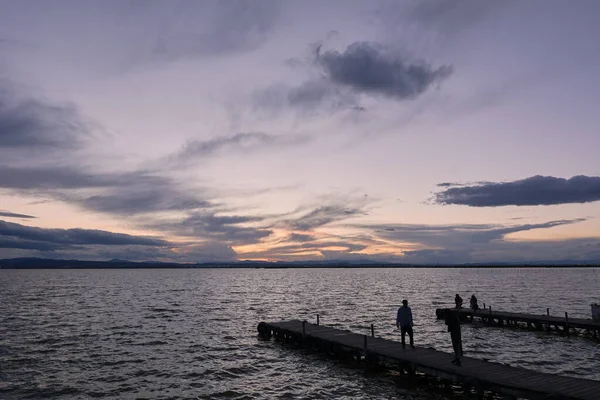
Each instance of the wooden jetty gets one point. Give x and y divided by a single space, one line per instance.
475 375
565 325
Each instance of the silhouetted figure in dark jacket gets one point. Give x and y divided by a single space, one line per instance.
404 321
454 328
474 305
458 301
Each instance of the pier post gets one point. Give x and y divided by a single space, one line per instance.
547 311
372 330
478 377
484 306
567 323
317 319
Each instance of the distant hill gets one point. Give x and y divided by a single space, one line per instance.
47 263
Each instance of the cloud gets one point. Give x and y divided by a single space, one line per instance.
61 177
182 252
122 193
227 229
299 237
459 236
172 31
536 190
450 16
16 243
27 123
319 246
196 150
503 251
238 25
132 193
370 68
464 243
309 97
314 250
185 253
8 214
363 68
437 256
322 216
142 198
75 236
312 94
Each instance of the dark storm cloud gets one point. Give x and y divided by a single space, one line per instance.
536 190
14 215
231 229
369 68
197 150
75 236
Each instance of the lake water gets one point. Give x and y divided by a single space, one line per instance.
191 333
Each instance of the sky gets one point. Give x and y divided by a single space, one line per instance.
438 131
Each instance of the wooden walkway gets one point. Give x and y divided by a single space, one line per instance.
564 324
478 374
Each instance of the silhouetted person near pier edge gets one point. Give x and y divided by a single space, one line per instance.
474 305
454 328
404 321
458 301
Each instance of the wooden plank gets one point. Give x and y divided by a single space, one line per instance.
579 387
580 323
498 375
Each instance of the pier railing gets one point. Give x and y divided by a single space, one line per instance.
565 325
474 374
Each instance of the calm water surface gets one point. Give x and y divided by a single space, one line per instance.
158 334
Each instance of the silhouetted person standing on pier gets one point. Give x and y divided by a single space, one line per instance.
458 301
454 328
404 321
474 305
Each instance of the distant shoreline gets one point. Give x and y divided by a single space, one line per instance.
35 263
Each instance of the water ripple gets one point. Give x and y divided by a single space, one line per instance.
191 334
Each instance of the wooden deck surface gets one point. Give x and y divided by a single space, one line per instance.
497 377
580 323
